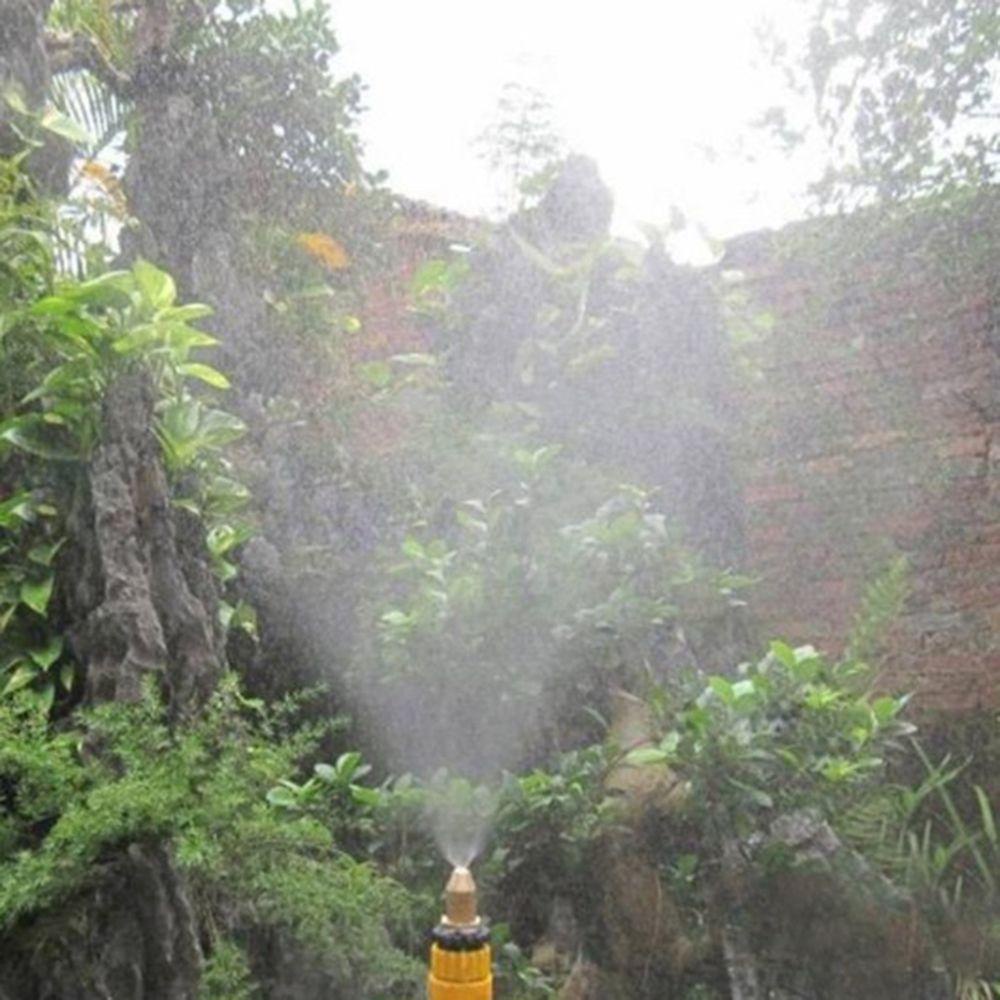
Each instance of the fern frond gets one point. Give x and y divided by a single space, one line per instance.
882 604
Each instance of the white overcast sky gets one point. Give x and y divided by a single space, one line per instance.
642 86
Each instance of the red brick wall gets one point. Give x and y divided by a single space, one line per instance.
872 398
870 388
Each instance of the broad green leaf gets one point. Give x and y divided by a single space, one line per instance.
783 653
44 554
224 537
184 314
348 763
36 593
139 338
885 708
17 509
325 772
49 653
283 797
53 120
45 696
66 674
365 796
218 428
206 373
54 305
180 338
156 287
30 434
45 656
20 678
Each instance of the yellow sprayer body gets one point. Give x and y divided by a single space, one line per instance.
460 975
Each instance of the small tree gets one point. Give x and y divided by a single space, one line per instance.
522 145
905 92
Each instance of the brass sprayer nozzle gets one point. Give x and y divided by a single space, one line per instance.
460 899
461 960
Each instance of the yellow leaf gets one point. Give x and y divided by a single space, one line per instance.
325 249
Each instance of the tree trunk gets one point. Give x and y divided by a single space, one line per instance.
143 601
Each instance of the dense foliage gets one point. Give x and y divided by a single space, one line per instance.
904 92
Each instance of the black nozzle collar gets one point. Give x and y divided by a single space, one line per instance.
451 938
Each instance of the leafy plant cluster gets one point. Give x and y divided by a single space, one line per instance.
65 342
525 592
790 731
256 868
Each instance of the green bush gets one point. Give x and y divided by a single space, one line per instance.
202 788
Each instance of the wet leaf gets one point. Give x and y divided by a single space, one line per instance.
36 593
22 676
325 249
48 654
156 287
206 373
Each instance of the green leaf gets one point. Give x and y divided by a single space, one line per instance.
756 795
156 287
181 338
376 373
783 653
885 708
986 813
6 616
365 796
206 373
412 549
66 674
44 554
17 508
218 428
139 338
54 121
49 653
30 434
646 755
188 504
722 688
348 763
36 593
283 797
13 97
326 773
415 360
45 696
22 676
184 314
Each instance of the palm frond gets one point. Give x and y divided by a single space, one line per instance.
81 96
